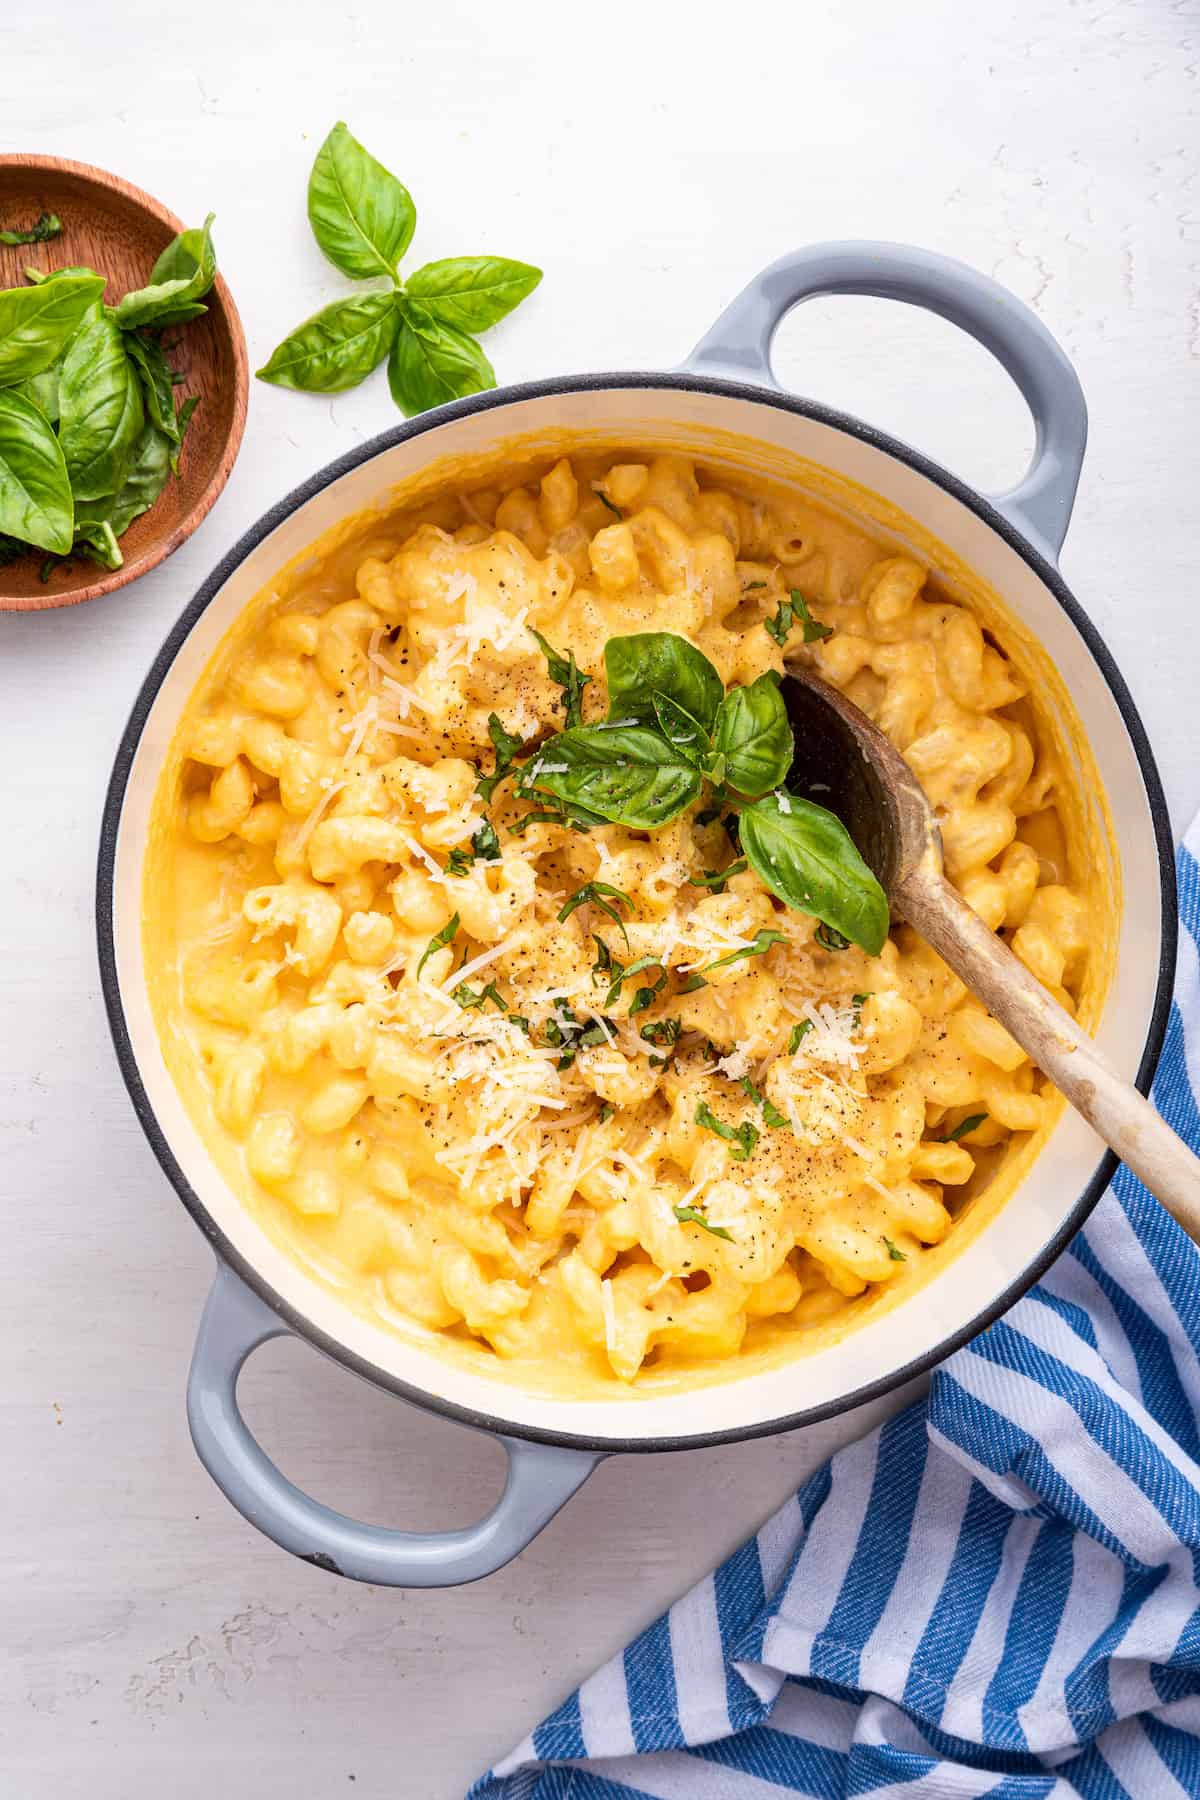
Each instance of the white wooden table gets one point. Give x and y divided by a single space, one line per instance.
150 1642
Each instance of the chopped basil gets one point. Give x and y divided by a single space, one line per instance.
894 1254
507 748
751 585
770 1112
601 895
544 816
566 672
791 610
663 1032
763 941
604 963
47 225
569 1034
485 847
829 939
443 937
646 996
601 495
799 1032
715 879
485 843
740 1138
474 999
606 1112
622 974
963 1129
691 1215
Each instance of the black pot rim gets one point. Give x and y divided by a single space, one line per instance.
431 422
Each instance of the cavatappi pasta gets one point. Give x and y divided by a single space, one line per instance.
468 1129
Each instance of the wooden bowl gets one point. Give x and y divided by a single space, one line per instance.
119 232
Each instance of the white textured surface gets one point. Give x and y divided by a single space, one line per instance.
151 1642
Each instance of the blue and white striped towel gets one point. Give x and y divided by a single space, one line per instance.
995 1594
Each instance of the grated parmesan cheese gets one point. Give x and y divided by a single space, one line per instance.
313 817
608 1306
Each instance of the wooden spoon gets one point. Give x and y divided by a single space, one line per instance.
849 766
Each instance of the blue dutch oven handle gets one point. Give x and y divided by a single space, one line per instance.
541 1477
739 345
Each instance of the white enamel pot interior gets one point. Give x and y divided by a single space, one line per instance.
1010 543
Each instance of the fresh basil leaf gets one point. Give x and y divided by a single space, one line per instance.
101 410
831 939
566 672
630 776
46 226
660 662
963 1129
691 1215
178 282
798 1034
148 472
42 391
98 541
337 347
472 292
805 855
432 363
158 390
679 728
894 1254
35 489
744 1136
37 323
439 940
189 257
764 940
361 216
753 736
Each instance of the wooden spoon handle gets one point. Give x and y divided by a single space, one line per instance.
1113 1107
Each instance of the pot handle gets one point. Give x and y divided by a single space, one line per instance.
739 345
541 1477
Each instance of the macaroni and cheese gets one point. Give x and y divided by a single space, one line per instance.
489 1108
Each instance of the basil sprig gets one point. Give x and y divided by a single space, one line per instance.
363 218
89 429
671 727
